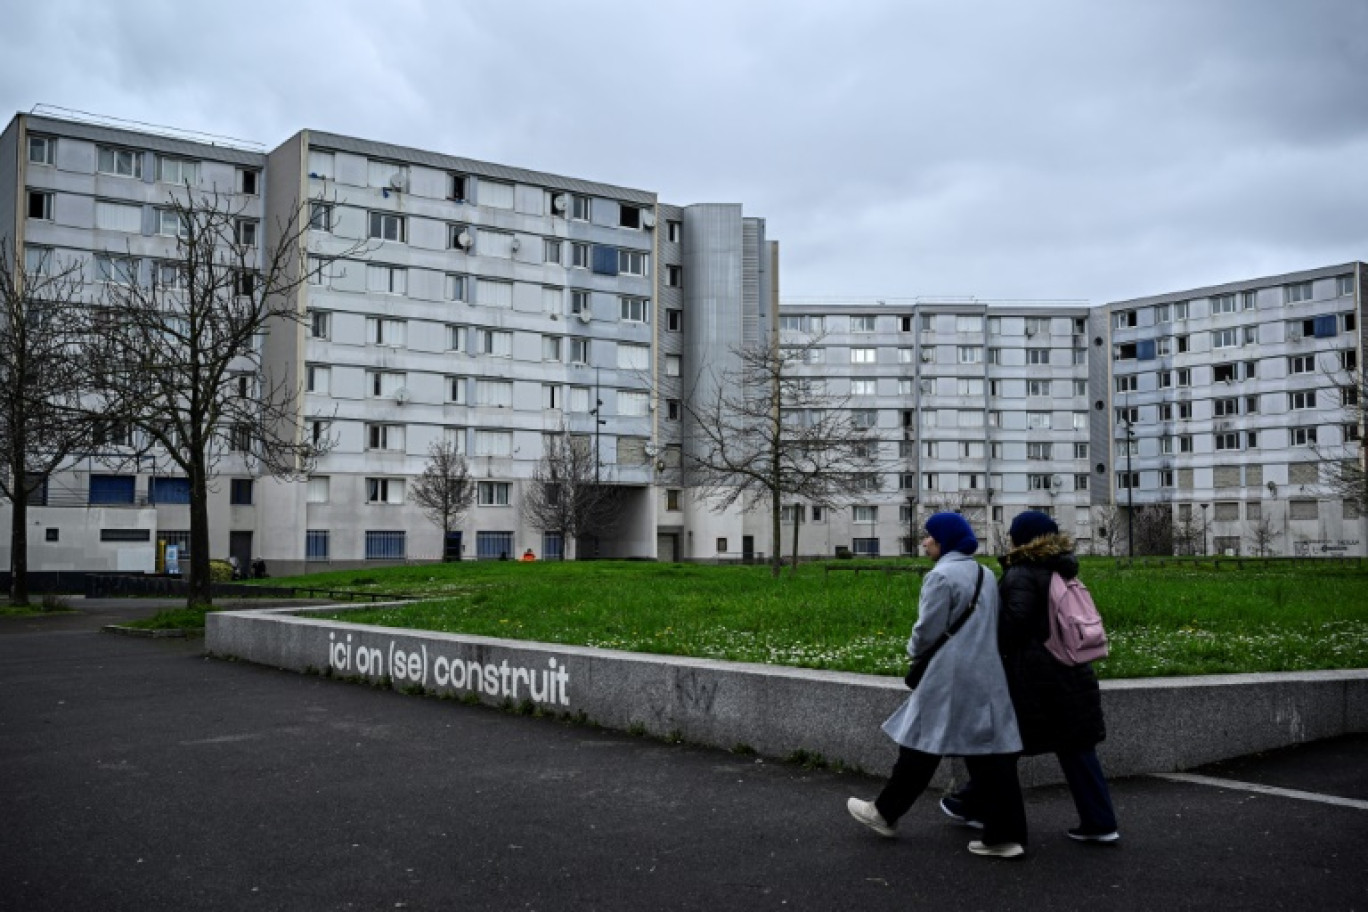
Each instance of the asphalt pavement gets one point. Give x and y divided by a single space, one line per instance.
137 774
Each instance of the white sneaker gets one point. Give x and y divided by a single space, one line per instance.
1000 850
868 814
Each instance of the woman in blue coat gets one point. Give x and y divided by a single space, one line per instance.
962 707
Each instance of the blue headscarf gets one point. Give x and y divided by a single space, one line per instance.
952 533
1029 526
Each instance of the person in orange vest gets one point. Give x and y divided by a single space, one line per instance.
528 555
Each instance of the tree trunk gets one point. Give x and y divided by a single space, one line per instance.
793 570
777 551
19 589
199 589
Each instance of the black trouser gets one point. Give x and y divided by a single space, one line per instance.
997 791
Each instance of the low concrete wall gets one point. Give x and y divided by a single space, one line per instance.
1156 724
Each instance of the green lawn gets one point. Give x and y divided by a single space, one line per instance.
1171 620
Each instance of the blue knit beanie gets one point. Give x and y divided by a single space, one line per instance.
952 533
1029 526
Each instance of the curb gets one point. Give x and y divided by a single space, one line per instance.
1155 724
166 633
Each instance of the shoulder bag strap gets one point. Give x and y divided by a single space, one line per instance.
973 603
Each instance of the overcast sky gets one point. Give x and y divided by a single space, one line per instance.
1006 149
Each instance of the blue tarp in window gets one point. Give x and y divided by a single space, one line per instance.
112 489
1144 350
605 260
1327 326
169 491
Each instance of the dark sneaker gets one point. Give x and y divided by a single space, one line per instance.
1000 850
1105 837
954 808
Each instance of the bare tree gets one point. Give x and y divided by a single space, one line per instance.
445 489
767 434
1107 522
1343 465
182 357
41 382
566 495
1153 530
1261 535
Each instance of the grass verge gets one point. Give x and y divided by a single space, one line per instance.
1173 620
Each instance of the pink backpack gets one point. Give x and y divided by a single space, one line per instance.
1076 634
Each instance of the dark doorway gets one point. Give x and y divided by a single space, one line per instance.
451 551
240 547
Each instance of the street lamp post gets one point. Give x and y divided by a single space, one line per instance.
1130 491
1273 493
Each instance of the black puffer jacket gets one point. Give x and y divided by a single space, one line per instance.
1058 707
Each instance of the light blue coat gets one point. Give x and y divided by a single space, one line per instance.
962 707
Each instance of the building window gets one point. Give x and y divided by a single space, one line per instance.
494 493
635 310
40 205
245 232
116 270
316 545
119 162
1037 387
493 443
634 263
495 343
633 357
168 491
248 182
864 387
633 404
1297 292
673 366
1303 399
385 437
1043 451
1303 436
42 150
320 324
551 251
493 545
387 226
579 208
387 279
320 216
456 187
970 354
385 490
863 355
1344 285
384 383
380 331
1037 420
1228 441
240 492
674 319
674 276
864 514
864 547
385 545
579 256
1124 319
551 348
491 293
177 171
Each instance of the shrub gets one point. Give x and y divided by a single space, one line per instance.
220 571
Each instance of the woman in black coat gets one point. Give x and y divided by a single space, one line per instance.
1058 706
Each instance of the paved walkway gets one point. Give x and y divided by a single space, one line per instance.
137 774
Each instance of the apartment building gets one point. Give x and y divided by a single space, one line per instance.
1225 403
980 406
487 306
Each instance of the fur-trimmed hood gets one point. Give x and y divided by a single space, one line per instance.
1045 549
